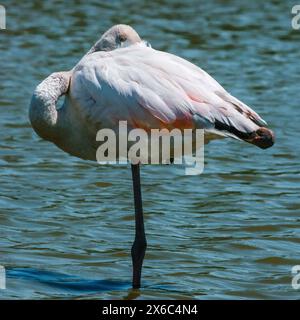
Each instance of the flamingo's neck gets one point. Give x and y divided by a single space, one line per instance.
42 112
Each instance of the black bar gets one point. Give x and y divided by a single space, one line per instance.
152 309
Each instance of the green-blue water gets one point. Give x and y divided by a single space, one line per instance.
66 226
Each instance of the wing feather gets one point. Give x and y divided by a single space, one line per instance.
152 89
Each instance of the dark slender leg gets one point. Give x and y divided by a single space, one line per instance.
139 246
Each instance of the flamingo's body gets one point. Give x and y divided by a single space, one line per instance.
149 89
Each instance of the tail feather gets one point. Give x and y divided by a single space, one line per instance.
235 124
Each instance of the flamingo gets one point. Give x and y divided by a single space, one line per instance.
123 78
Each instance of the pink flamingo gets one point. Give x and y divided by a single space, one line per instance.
122 78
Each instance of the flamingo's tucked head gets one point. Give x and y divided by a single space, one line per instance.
118 36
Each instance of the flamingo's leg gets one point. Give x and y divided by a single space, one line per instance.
139 246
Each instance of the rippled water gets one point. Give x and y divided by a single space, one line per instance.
67 225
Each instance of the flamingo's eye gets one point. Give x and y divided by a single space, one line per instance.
122 38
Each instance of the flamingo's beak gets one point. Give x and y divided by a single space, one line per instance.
147 43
